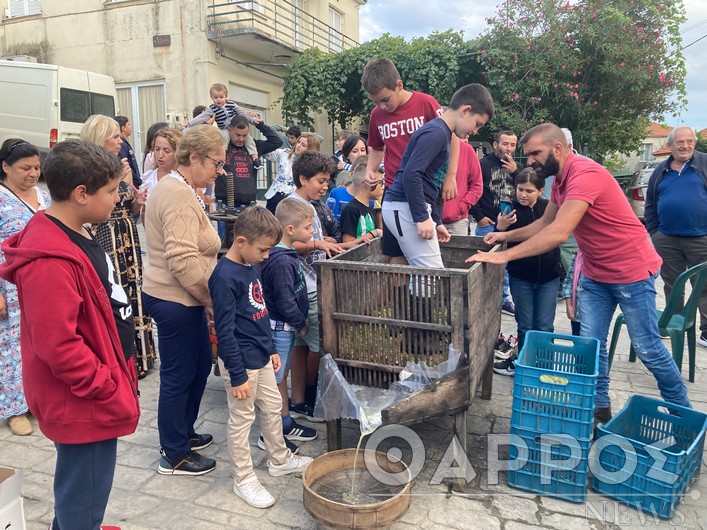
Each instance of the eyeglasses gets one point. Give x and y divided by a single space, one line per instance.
218 163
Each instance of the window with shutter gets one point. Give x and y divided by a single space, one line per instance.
336 24
23 8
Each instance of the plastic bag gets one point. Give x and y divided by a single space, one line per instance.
336 398
416 376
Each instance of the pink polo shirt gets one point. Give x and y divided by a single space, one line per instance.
615 244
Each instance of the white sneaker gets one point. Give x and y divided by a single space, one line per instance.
296 464
254 494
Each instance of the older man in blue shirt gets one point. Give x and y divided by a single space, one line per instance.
676 212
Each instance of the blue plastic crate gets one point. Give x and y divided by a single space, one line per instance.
644 422
551 467
555 384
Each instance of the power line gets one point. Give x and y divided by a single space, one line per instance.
694 26
694 42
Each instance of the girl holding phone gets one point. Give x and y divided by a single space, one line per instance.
534 281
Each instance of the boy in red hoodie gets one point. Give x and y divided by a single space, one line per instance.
76 331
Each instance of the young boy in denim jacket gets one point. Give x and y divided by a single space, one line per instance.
285 293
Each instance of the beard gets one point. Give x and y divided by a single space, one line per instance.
550 168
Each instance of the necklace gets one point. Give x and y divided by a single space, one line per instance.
177 175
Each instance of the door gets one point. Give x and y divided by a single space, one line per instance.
143 104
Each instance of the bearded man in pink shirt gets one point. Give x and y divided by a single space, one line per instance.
620 263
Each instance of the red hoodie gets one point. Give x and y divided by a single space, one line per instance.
470 185
76 379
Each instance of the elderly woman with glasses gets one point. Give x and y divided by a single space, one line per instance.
183 246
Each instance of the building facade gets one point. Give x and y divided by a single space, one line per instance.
164 54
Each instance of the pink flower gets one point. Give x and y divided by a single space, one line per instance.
576 85
575 95
661 78
542 120
594 15
622 64
623 28
515 96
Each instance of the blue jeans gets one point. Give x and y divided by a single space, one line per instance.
185 363
535 306
637 302
283 342
481 231
83 478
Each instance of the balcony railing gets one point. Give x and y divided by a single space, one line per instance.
277 20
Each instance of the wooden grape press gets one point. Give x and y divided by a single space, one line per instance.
375 317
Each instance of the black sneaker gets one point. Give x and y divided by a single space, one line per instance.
294 449
200 441
507 367
300 433
192 464
508 308
302 410
702 339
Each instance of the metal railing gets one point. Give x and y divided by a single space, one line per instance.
278 20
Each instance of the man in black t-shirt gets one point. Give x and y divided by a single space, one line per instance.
239 162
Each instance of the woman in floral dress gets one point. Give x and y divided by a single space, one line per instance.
284 185
119 238
20 198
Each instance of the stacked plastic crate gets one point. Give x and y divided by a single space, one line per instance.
553 415
648 454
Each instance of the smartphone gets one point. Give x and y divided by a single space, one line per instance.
506 207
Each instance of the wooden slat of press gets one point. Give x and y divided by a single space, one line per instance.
456 314
327 303
445 328
485 288
362 365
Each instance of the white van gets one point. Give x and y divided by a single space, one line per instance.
45 104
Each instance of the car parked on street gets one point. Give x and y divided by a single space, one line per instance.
636 189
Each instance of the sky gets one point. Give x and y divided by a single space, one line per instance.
419 18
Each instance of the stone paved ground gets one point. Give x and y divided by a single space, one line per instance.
143 499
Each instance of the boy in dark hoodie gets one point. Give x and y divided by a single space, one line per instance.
79 380
285 292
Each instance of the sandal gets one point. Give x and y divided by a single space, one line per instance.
20 425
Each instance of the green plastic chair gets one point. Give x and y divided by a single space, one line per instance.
676 326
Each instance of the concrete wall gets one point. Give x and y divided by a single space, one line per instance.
116 38
634 162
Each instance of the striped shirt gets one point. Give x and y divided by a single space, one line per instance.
223 115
